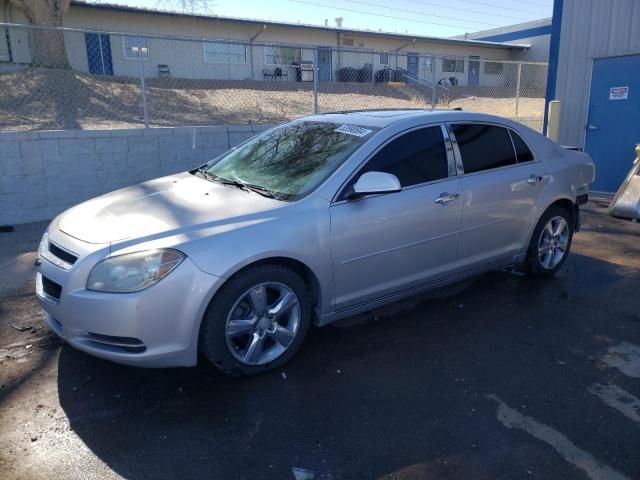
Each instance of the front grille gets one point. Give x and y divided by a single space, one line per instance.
51 288
62 254
123 344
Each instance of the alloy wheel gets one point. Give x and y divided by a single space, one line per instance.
553 242
263 323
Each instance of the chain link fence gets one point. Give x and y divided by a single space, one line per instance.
123 80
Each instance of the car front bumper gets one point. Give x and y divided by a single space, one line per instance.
156 327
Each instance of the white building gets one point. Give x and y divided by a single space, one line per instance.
261 48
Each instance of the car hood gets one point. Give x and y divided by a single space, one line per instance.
166 205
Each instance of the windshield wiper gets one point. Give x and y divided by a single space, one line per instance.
265 192
205 174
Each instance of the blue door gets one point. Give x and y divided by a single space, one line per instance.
413 62
613 122
324 64
474 71
98 53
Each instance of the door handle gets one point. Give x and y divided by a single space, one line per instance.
592 127
445 198
533 179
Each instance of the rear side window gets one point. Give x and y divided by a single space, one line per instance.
415 157
522 151
484 147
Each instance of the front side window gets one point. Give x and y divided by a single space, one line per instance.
292 160
224 53
283 56
135 46
452 65
483 147
415 157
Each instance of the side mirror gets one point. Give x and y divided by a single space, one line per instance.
375 182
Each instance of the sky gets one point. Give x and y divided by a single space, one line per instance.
440 18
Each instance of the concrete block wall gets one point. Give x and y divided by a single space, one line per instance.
44 173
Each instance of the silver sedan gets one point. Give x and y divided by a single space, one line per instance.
314 220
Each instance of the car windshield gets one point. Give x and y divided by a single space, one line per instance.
289 161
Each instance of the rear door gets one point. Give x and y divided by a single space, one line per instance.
383 244
501 182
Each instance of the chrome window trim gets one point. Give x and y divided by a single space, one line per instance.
456 148
448 145
340 191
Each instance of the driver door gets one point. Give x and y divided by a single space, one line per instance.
384 244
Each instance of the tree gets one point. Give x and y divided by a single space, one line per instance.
47 46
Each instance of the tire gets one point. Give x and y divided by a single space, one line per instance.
232 322
547 252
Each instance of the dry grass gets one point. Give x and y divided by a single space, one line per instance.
42 99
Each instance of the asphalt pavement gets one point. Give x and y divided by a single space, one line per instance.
503 377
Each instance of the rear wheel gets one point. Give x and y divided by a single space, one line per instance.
550 243
257 321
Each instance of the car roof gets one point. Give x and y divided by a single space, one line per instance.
384 118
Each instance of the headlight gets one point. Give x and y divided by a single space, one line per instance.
43 248
133 272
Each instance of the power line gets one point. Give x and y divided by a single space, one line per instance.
414 12
467 10
493 5
352 10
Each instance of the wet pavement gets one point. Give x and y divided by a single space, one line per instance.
502 377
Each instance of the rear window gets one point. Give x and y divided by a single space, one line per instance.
522 150
483 147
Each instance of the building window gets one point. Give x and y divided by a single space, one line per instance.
347 42
282 56
493 68
384 58
427 63
452 65
224 53
132 45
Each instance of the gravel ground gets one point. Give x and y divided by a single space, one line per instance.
44 99
501 377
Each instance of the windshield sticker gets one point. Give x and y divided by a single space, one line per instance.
353 130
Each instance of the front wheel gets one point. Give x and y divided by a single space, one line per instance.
550 243
257 321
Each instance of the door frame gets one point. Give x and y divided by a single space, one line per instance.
106 67
592 61
415 55
329 65
475 59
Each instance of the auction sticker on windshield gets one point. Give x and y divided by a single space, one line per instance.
353 130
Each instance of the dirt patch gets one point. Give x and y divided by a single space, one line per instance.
48 99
